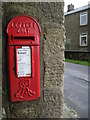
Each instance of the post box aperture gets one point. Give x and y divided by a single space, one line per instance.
23 58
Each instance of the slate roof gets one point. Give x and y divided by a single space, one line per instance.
77 10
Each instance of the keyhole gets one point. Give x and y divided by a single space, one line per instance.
13 68
11 37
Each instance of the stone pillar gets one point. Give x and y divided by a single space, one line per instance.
53 70
50 17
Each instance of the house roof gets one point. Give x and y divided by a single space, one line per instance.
77 10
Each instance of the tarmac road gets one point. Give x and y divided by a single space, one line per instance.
76 88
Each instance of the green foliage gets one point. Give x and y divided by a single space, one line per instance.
86 63
74 112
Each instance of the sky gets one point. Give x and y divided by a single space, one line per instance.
76 3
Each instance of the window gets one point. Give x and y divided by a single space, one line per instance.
83 18
83 39
68 44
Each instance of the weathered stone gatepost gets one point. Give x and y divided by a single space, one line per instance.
53 69
50 17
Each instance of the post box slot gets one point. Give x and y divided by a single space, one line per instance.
24 38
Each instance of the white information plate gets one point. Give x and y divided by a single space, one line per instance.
24 61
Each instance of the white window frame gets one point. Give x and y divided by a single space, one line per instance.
81 15
81 36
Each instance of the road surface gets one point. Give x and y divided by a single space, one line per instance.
76 88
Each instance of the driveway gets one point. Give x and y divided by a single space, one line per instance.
76 88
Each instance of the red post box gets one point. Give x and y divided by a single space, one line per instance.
23 58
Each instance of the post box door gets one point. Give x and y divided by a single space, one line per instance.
23 53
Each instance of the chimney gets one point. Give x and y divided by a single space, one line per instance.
89 3
70 7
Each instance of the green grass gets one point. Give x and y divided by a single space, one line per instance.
86 63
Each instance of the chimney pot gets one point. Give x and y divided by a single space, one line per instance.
70 7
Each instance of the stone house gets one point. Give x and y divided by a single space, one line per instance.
77 22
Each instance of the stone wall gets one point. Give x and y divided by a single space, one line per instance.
89 29
77 55
50 17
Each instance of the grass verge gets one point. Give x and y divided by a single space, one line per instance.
86 63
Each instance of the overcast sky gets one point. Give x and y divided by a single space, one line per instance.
76 3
